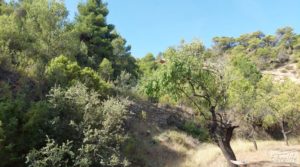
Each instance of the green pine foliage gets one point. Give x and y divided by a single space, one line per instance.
94 31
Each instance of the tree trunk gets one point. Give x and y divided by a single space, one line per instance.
227 151
254 138
222 136
284 133
254 144
285 138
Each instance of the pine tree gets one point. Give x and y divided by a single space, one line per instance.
94 32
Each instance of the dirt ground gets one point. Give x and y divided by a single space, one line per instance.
274 154
162 145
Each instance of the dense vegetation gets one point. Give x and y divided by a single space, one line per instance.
225 84
56 80
63 83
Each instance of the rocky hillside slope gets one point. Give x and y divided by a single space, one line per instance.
287 71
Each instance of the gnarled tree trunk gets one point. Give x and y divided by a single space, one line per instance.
221 133
224 145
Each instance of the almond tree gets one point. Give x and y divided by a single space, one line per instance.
188 73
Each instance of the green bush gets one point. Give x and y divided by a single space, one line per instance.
5 56
196 131
5 91
125 81
24 125
65 72
62 71
37 125
95 127
91 79
52 155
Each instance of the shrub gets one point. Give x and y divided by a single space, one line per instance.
96 129
36 124
64 72
295 56
51 155
125 81
5 91
196 131
91 79
24 125
5 56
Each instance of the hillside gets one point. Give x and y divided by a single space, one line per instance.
73 94
287 71
163 144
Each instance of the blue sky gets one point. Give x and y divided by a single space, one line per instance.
154 25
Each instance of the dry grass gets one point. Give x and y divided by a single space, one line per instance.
168 147
205 154
177 141
210 155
